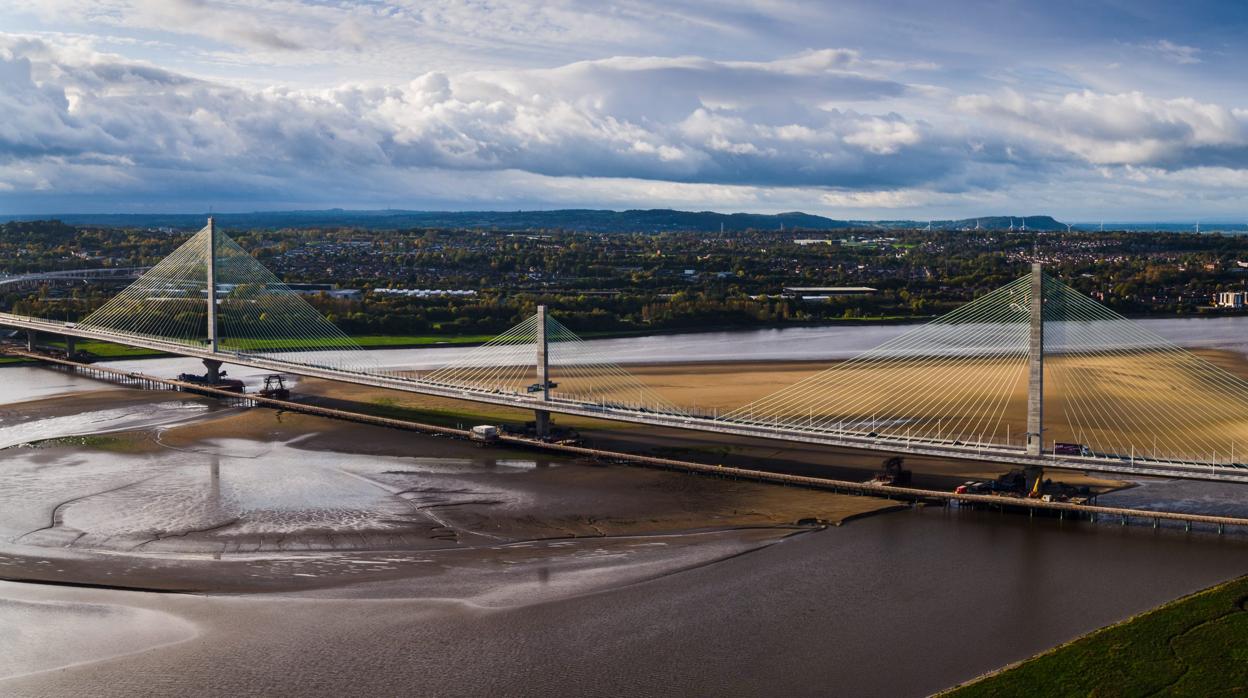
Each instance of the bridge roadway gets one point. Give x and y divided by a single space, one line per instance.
994 453
123 273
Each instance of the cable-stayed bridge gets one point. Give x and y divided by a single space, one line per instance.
1032 374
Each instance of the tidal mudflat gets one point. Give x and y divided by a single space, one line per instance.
254 552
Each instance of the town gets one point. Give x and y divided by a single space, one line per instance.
472 282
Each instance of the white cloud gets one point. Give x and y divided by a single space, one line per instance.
681 119
1175 53
1120 129
501 103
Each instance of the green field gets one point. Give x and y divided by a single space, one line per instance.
1196 646
420 341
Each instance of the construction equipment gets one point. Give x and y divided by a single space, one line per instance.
892 473
231 384
275 387
485 433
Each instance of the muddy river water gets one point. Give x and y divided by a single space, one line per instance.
357 562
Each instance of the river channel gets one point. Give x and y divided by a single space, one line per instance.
902 603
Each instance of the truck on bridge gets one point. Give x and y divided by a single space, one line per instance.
1069 449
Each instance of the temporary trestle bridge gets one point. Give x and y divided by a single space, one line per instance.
1033 373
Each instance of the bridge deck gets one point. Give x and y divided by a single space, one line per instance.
861 488
994 453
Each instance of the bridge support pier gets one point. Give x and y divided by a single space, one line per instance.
213 374
30 340
71 346
541 423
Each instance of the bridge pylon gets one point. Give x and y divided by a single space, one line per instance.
210 264
541 421
1035 378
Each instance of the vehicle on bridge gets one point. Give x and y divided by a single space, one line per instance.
1068 449
537 387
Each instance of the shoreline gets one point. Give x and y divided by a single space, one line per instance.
1004 674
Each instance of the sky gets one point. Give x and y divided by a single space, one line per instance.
1119 110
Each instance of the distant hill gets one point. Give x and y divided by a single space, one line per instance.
1042 223
591 220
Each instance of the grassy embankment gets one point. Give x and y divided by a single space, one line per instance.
1190 647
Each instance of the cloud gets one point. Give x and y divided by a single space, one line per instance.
242 24
668 119
831 129
1175 53
1128 128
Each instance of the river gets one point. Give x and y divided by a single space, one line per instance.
898 604
788 344
810 343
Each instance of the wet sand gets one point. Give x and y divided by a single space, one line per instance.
238 487
92 413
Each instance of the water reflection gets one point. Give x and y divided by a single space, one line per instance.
236 495
18 428
23 383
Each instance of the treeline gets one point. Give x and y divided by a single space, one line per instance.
621 313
